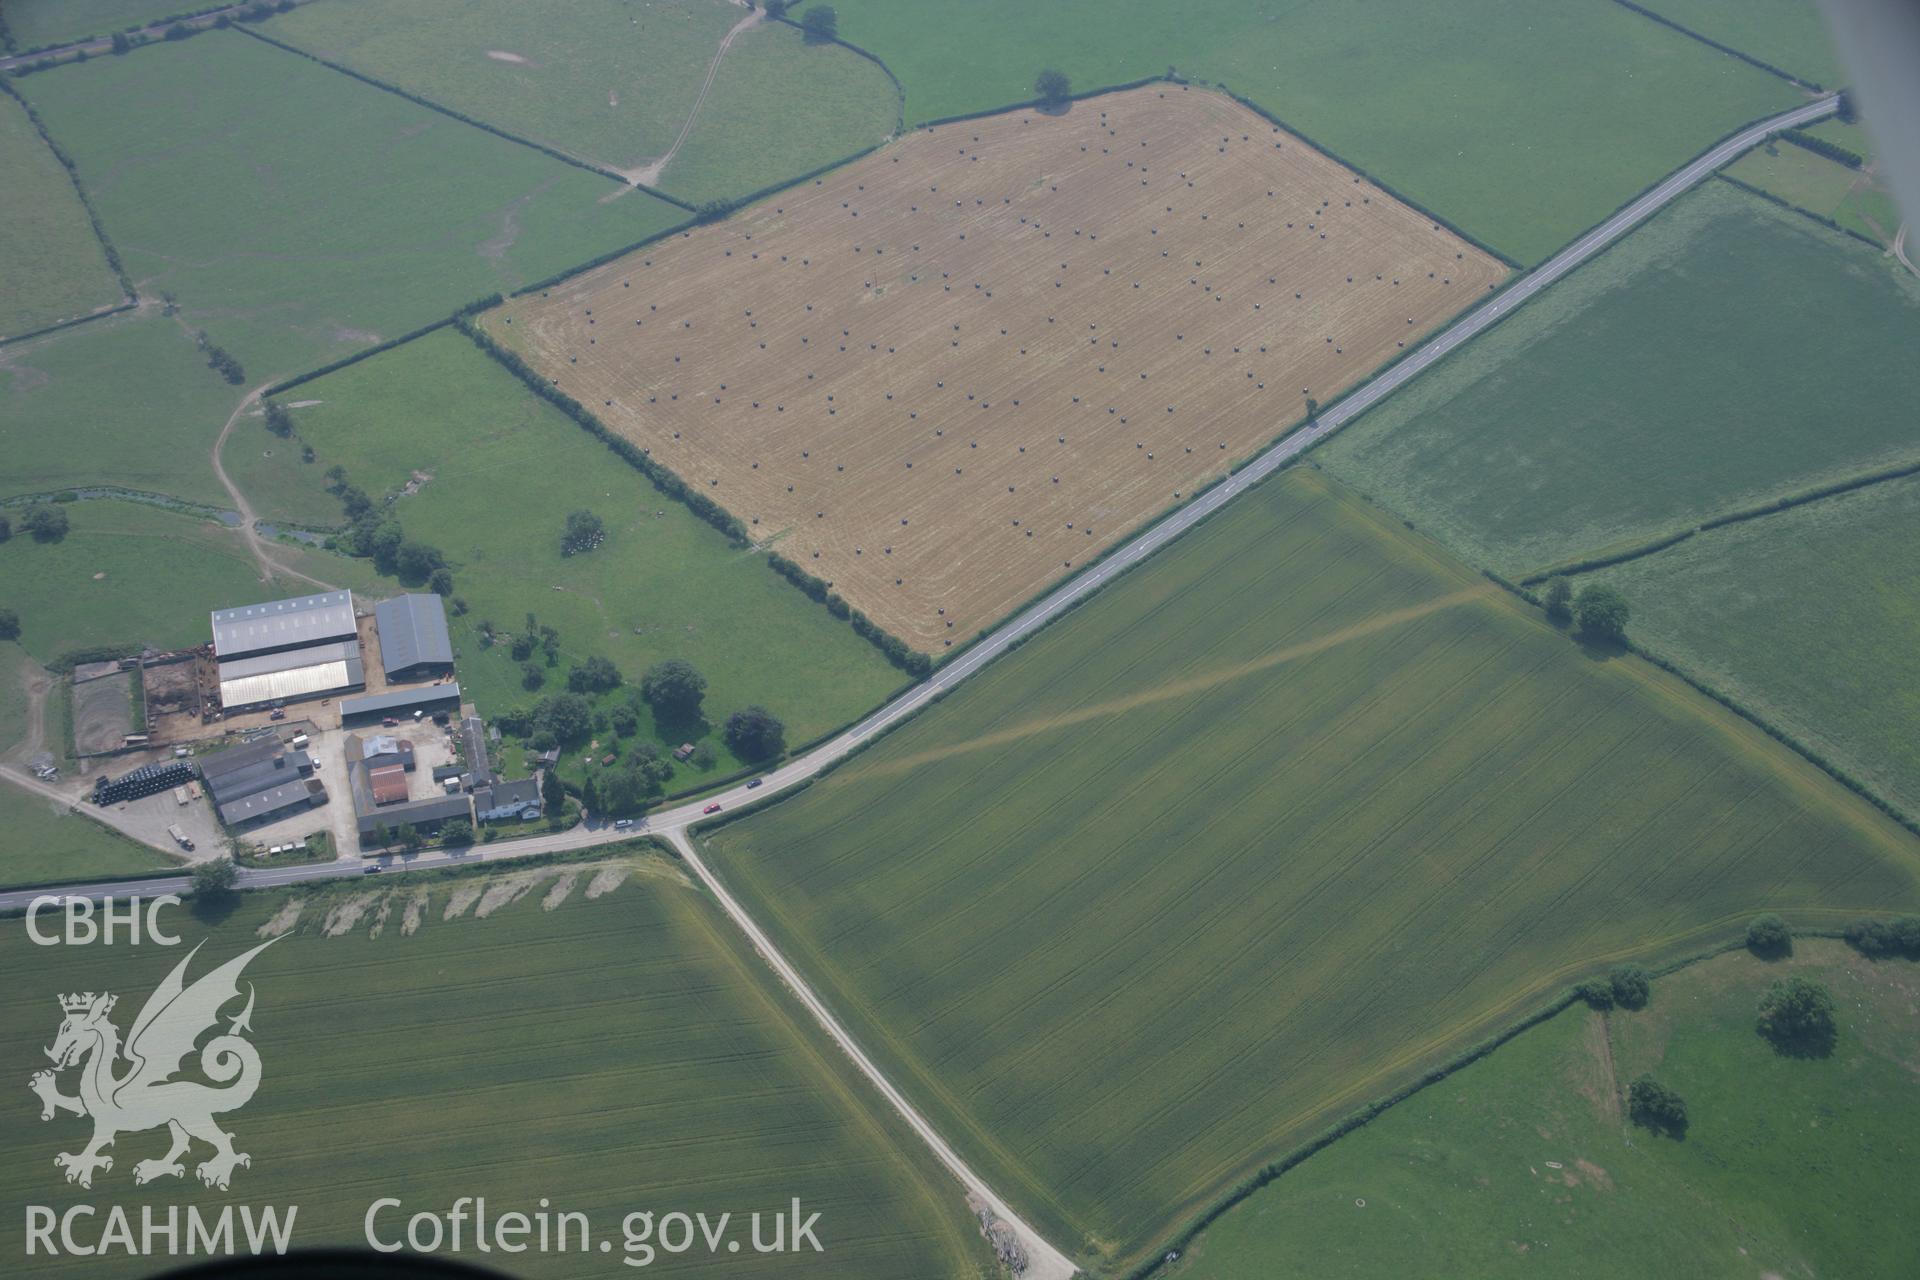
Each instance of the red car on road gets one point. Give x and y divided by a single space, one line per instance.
712 808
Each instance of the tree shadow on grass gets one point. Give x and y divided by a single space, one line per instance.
1809 1045
213 909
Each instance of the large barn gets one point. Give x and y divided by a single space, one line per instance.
287 650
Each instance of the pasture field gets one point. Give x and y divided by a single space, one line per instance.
51 265
779 107
1789 34
125 401
612 84
36 23
1808 617
1521 1165
1688 372
615 1053
944 375
299 215
1290 815
496 470
126 573
45 843
1854 198
1507 119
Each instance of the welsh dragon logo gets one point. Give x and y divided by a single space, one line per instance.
145 1094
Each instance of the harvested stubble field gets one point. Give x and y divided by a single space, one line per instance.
942 377
1287 817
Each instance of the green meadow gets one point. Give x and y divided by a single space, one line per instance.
1789 34
35 23
52 267
780 107
1506 116
1808 617
46 843
1694 369
125 574
297 214
126 401
495 472
1521 1165
1284 819
592 1051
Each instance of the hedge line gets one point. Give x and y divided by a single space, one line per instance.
678 229
1764 509
1820 218
68 324
1035 104
715 210
1821 147
1727 49
79 189
664 480
899 90
462 117
478 304
1338 159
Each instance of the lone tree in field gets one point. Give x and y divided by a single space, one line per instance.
755 733
1052 87
1768 937
1796 1018
821 24
1631 985
1654 1106
214 879
6 528
674 689
595 675
1560 601
776 9
1602 613
9 625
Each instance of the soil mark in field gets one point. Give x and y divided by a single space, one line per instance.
1190 685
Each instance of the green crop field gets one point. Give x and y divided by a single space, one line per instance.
612 84
779 107
502 470
1808 617
625 1053
36 23
46 843
51 266
1855 199
1468 109
298 214
125 574
1789 34
1520 1165
1290 814
126 401
1688 372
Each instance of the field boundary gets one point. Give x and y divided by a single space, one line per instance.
667 482
551 152
1835 489
1369 1112
1728 49
127 291
1763 194
125 306
899 90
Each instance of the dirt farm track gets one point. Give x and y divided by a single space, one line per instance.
944 375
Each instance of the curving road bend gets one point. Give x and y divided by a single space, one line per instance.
673 824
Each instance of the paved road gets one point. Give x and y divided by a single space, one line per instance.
1461 331
1047 1262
